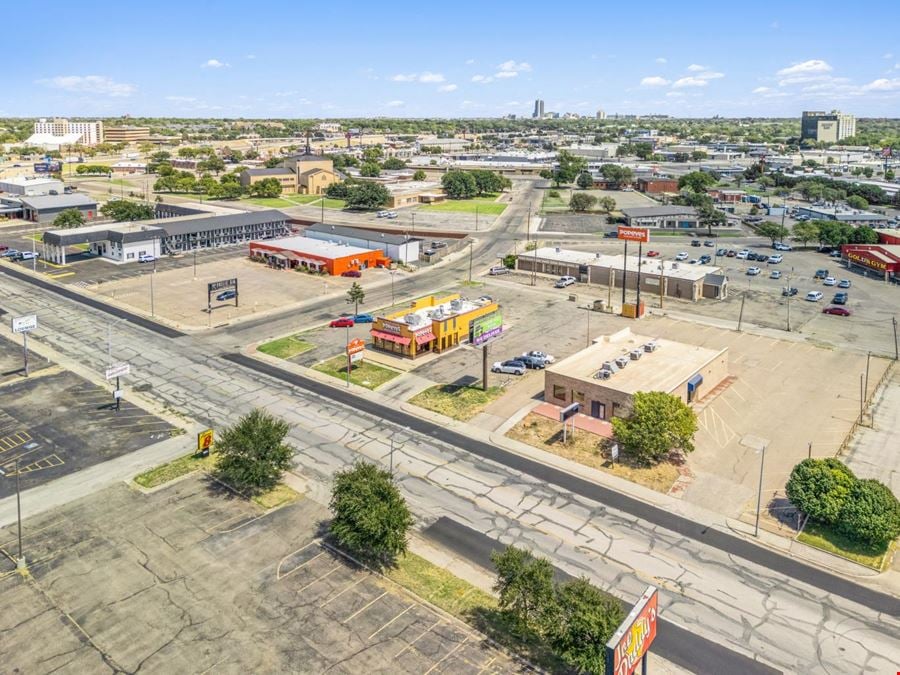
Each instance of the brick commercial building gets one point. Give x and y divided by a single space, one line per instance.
317 256
657 185
126 134
663 217
881 260
314 173
285 177
605 376
44 208
888 235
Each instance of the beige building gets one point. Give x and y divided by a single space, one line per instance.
827 127
314 173
604 377
286 177
91 133
410 193
126 134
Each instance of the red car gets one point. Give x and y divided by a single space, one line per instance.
343 322
839 311
652 254
351 273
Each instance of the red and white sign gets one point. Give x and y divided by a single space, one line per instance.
634 233
356 346
631 642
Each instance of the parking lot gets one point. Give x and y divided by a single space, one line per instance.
55 423
188 579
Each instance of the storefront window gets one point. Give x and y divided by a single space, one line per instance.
559 392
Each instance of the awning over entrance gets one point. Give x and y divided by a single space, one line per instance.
695 382
422 338
390 337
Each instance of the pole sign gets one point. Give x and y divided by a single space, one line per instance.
24 324
204 442
223 285
118 370
641 234
356 346
569 411
485 328
630 643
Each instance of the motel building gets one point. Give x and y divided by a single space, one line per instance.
430 324
316 256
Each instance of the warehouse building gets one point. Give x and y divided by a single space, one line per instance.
44 208
658 277
430 324
126 134
31 186
604 377
317 255
399 247
844 215
662 217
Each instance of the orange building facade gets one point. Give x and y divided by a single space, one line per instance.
316 255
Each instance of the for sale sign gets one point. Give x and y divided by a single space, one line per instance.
634 233
631 642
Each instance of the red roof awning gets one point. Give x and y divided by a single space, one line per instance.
390 337
422 338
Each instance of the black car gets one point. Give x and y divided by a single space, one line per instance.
611 235
532 362
439 244
789 292
839 299
704 259
696 242
709 243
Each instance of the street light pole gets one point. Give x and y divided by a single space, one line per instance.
20 563
393 272
348 356
470 261
762 463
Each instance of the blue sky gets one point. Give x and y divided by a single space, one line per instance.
462 59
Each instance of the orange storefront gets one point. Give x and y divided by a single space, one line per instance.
317 255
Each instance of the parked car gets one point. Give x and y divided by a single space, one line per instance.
356 274
820 274
844 283
753 271
363 318
682 256
439 244
830 281
391 215
146 258
562 282
429 251
840 299
3 248
514 367
695 242
541 355
652 254
9 253
532 362
704 259
789 292
486 299
381 214
226 295
838 311
341 322
743 254
709 243
722 251
498 269
835 254
775 259
611 235
753 256
781 246
776 274
814 296
693 261
28 255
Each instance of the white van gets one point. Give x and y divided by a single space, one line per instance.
498 269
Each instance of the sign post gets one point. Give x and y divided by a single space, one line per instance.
205 440
631 642
356 349
482 330
566 413
117 371
214 286
640 235
24 325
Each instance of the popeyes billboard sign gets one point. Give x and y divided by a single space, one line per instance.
634 233
630 644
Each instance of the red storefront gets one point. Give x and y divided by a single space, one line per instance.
882 259
887 236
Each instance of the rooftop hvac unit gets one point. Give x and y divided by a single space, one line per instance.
412 319
610 366
622 361
456 305
635 354
651 346
603 374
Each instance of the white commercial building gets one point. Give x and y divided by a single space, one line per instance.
399 247
90 133
30 186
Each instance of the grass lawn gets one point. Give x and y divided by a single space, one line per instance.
334 203
486 206
274 202
286 347
459 402
546 434
364 373
175 469
302 199
823 537
556 203
122 182
280 495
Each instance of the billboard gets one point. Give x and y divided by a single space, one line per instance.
569 411
47 167
630 643
355 346
219 285
634 233
485 328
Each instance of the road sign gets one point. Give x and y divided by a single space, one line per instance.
204 441
633 233
24 324
630 643
117 394
356 356
118 370
355 346
569 411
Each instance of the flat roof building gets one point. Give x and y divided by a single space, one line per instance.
604 377
844 215
826 127
316 255
395 246
410 193
44 208
663 217
882 260
126 134
89 133
31 186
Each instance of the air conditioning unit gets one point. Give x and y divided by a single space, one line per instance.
456 305
651 346
610 366
603 374
411 319
635 354
622 361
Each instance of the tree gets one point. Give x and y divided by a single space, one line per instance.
266 188
367 195
582 201
871 514
68 218
584 620
459 184
487 182
356 295
833 233
273 162
710 216
584 180
607 204
393 164
819 488
642 150
806 231
889 174
863 234
620 175
698 155
696 181
370 170
659 423
570 166
371 517
857 202
772 231
419 175
373 153
213 163
252 452
524 585
121 210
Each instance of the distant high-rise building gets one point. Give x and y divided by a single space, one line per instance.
826 127
91 132
601 114
538 109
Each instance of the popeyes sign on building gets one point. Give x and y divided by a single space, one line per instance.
629 645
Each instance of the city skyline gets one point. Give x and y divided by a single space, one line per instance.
772 66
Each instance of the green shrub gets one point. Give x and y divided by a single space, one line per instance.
820 487
871 514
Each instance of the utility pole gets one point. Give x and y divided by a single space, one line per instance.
20 563
866 388
528 227
741 315
348 356
323 209
484 367
762 463
662 282
896 344
476 217
470 261
789 300
534 265
862 397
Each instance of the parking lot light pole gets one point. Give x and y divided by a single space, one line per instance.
393 272
762 463
348 356
20 563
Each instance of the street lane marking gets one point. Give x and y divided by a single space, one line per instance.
318 579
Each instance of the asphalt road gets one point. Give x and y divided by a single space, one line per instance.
674 643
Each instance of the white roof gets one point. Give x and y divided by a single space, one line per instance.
50 139
319 247
680 270
28 181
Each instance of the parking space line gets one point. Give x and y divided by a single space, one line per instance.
487 665
279 575
415 604
347 588
419 637
318 579
447 655
362 609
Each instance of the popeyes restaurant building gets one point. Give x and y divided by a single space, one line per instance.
881 259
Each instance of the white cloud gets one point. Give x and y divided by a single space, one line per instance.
888 56
470 62
425 78
89 84
282 94
710 75
448 87
761 90
214 63
431 78
505 74
654 81
394 104
411 77
883 84
694 68
674 94
513 67
805 68
482 79
690 82
661 59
